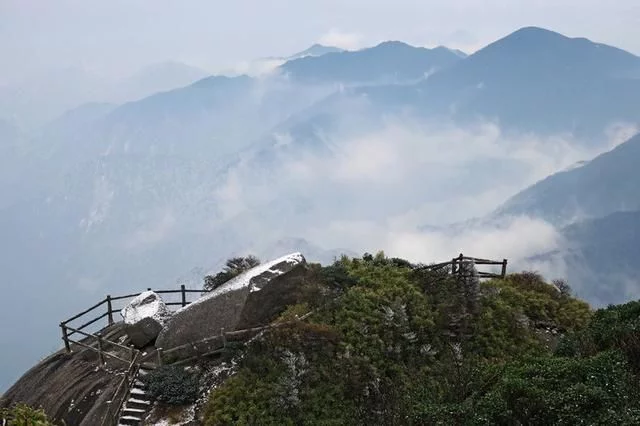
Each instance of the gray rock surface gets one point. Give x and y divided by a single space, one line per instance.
71 387
253 298
144 318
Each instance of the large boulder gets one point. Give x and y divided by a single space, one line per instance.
144 318
252 298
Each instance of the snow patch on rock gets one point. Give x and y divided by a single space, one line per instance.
246 278
146 305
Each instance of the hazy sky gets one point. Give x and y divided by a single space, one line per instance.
120 36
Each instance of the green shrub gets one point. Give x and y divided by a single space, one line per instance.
233 267
172 385
23 415
392 343
553 390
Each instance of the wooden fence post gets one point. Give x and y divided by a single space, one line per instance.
504 268
224 338
109 309
184 295
65 338
159 353
100 354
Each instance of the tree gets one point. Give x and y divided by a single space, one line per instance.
233 267
23 415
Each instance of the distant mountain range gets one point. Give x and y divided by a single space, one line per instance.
602 186
113 196
597 209
387 63
40 98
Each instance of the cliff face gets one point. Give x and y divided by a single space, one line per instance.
70 387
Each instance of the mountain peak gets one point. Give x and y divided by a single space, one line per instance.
316 49
392 44
538 50
536 32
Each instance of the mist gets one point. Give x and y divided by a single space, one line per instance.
408 188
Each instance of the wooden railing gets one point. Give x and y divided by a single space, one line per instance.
456 264
95 341
208 346
122 391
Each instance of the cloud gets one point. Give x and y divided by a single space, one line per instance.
378 188
152 232
398 184
345 40
253 68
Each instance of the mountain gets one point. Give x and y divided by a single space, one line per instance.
361 341
202 120
388 62
315 50
159 77
168 185
39 98
602 186
532 81
599 258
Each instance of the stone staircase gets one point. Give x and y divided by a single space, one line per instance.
138 404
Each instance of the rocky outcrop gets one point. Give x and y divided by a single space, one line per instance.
253 298
72 388
144 318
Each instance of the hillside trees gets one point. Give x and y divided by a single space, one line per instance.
392 343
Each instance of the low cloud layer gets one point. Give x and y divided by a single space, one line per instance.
380 190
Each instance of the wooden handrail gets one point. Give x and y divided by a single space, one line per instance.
460 260
225 334
97 305
69 331
106 314
73 330
128 378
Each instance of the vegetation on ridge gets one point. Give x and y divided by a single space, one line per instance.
390 343
23 415
233 267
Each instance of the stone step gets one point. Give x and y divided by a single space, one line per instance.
130 421
138 401
134 411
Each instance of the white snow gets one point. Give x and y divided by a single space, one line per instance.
244 280
135 311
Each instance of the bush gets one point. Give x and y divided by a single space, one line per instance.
552 390
172 385
23 415
233 267
392 343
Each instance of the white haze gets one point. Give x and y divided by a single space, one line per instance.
397 189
